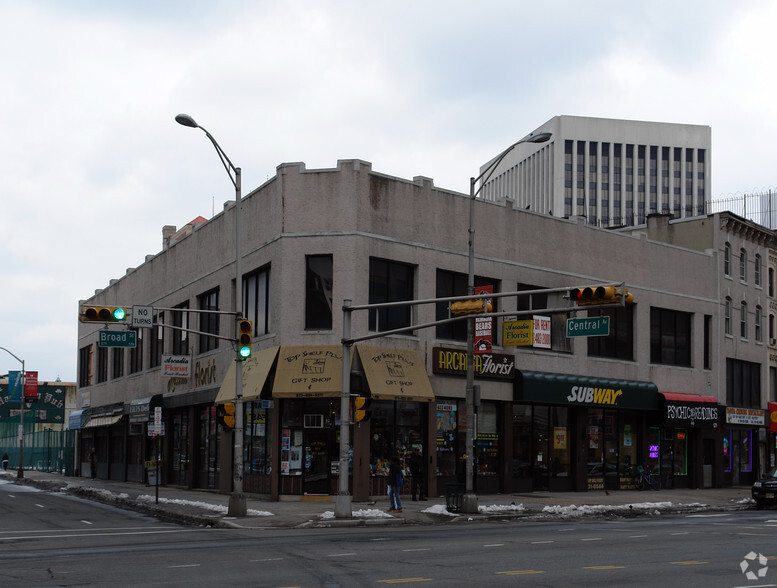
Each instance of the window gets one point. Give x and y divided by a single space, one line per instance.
102 364
707 342
136 354
757 271
727 315
743 320
256 299
619 344
180 320
758 321
727 260
319 278
157 340
558 322
85 366
670 337
390 281
117 363
209 322
771 281
455 284
743 383
742 265
771 329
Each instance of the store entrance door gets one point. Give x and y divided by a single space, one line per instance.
315 468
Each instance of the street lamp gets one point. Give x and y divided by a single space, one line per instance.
237 500
470 501
20 471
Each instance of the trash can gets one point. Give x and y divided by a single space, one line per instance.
453 494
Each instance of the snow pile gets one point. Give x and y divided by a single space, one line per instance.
497 508
217 508
572 511
365 513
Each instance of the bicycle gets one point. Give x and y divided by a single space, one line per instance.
644 479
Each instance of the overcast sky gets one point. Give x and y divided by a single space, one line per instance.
93 165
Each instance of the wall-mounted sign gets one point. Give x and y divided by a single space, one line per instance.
453 362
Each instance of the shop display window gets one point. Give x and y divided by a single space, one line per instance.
258 439
396 429
447 424
487 450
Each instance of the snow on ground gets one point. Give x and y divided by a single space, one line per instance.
375 513
572 511
218 508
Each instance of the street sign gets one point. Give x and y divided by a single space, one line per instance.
595 326
143 316
117 339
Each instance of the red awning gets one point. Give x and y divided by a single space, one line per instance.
680 397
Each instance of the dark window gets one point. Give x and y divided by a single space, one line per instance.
157 340
102 364
670 337
455 284
117 363
209 322
256 300
136 354
319 277
619 344
180 320
558 321
707 342
743 383
85 366
390 281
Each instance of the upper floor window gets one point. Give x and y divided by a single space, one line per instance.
758 321
117 363
157 342
319 278
670 337
742 265
102 364
209 322
136 354
619 344
180 322
558 321
256 300
743 383
757 271
771 282
390 281
727 260
743 321
727 315
85 366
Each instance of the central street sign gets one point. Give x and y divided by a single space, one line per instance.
595 326
117 339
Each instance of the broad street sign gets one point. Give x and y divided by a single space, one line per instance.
117 339
595 326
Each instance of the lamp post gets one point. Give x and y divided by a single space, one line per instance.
470 501
237 500
20 471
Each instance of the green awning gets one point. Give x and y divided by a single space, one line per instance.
573 390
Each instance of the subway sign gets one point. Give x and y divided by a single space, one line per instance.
453 362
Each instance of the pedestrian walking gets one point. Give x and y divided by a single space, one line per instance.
93 463
396 480
418 476
5 461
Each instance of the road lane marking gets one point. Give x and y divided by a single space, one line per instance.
419 549
678 533
184 566
541 542
636 536
591 539
689 563
265 559
340 554
494 545
603 567
403 580
87 522
520 572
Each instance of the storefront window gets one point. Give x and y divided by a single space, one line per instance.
654 450
628 448
487 451
446 437
208 462
522 460
397 429
180 448
745 439
560 449
258 438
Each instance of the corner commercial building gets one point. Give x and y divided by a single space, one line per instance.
561 414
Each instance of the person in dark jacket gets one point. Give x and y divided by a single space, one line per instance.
93 463
395 482
418 473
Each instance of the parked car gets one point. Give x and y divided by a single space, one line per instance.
764 491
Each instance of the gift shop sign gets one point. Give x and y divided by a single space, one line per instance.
745 416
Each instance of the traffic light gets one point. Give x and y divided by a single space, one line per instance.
103 314
476 306
245 330
225 414
598 295
361 412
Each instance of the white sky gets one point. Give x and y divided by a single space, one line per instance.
92 163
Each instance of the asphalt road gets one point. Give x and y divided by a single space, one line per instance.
57 540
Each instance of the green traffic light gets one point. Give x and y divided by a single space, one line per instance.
244 352
119 314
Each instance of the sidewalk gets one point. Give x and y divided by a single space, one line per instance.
201 507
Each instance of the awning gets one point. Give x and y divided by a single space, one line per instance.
573 390
255 371
141 410
77 418
102 421
313 371
690 410
395 374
